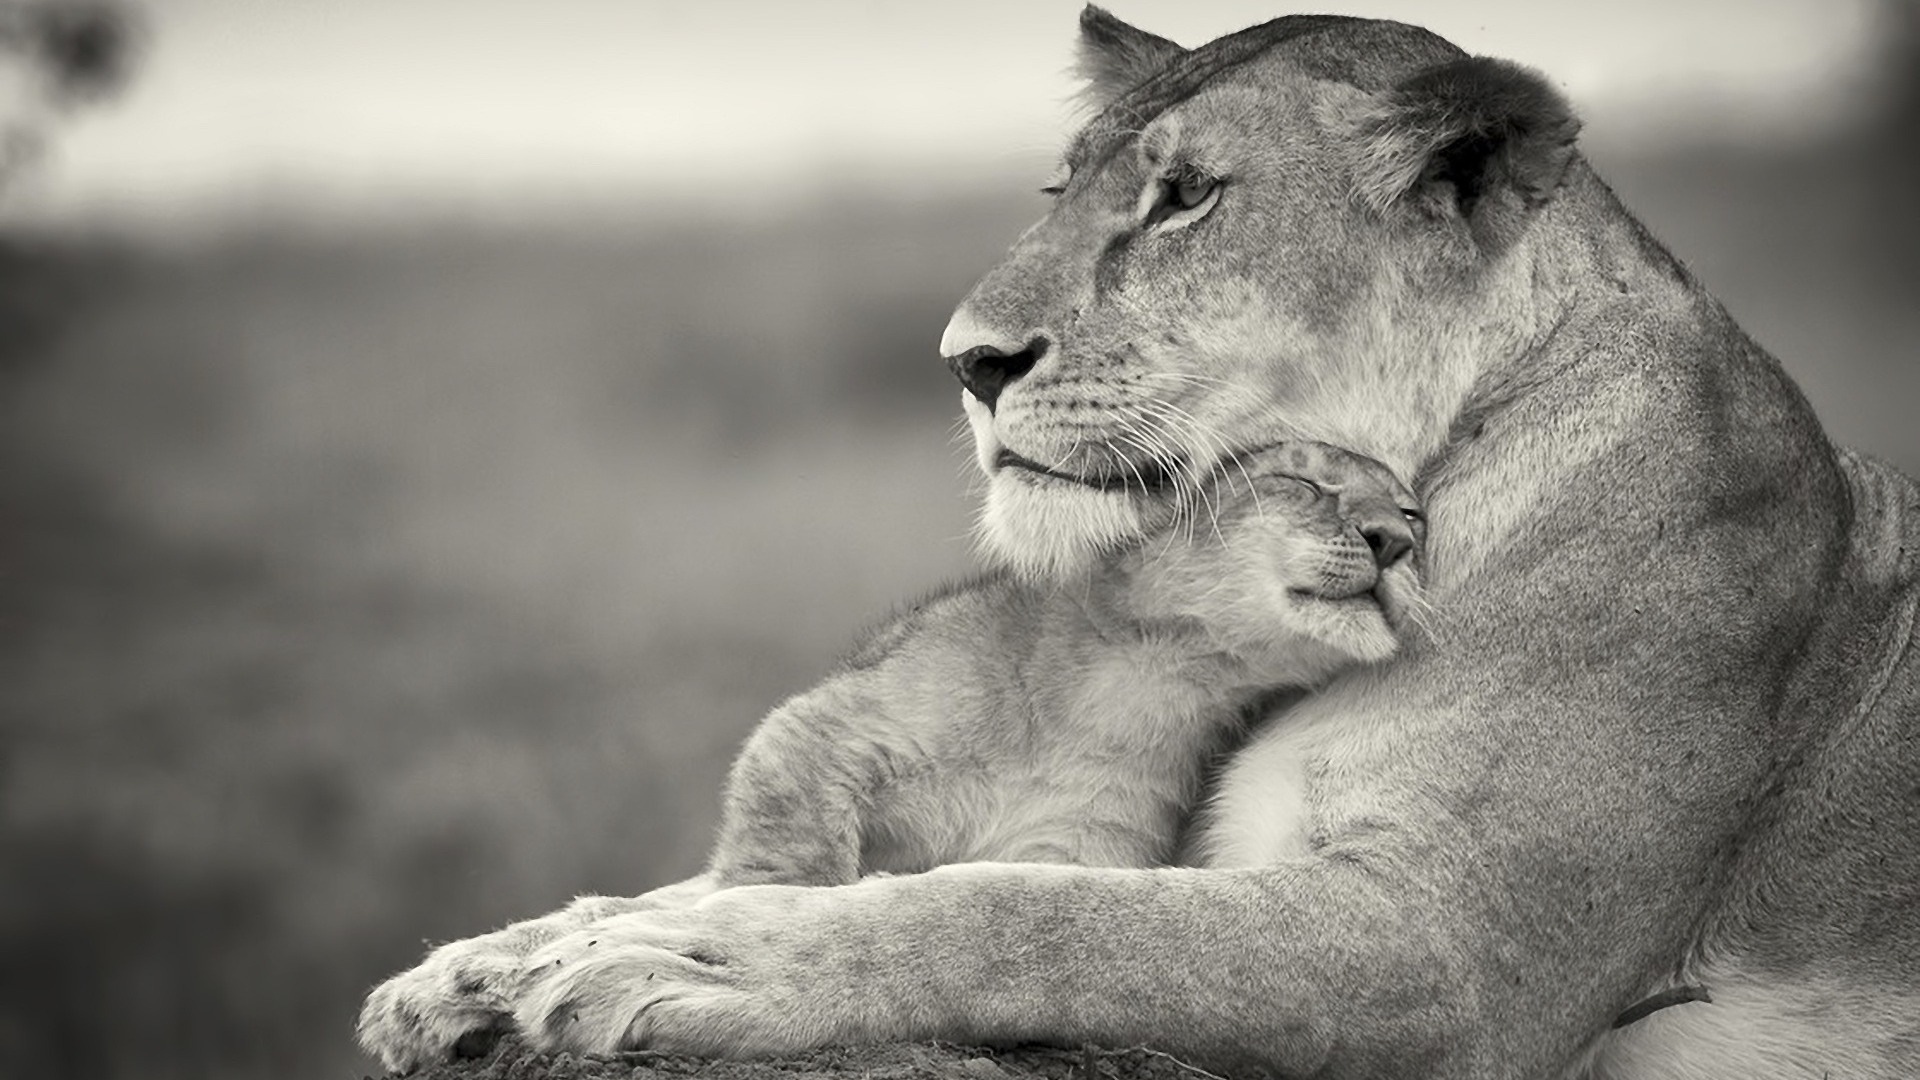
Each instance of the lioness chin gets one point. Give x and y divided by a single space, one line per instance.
1662 730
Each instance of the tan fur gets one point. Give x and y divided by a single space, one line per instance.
1664 730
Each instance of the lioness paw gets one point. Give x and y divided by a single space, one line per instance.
722 978
462 997
597 993
455 1003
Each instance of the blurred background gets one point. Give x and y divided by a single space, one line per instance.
432 432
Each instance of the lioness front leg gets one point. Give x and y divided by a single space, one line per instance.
793 816
1264 969
463 995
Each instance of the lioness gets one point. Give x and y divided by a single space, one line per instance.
1668 733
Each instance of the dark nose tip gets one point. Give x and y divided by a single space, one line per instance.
985 370
1390 538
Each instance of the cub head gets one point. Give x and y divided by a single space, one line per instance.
1318 228
1302 558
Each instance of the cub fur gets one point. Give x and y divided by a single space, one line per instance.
1072 721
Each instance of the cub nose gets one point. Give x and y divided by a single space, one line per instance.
985 370
1389 535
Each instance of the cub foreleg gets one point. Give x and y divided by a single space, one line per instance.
796 796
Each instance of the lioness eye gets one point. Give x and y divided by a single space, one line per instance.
1413 515
1185 190
1057 183
1192 189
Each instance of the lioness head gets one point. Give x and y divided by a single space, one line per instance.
1316 228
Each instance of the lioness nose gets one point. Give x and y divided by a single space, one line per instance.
1388 534
985 370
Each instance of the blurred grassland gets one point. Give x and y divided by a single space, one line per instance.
362 590
358 593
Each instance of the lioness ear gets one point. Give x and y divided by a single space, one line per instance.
1115 57
1484 140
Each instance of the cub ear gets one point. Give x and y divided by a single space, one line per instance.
1482 140
1115 57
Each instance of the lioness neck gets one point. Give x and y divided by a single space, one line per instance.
1435 351
1628 371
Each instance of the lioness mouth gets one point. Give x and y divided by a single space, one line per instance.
1144 477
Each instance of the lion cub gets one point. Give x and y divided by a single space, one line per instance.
1009 721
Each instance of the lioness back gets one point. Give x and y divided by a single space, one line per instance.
1072 721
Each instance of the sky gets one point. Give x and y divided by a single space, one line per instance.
352 107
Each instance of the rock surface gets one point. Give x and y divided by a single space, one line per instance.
908 1061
